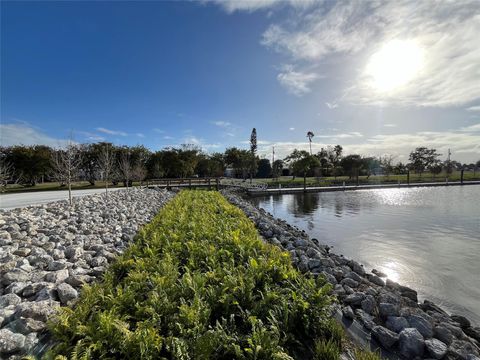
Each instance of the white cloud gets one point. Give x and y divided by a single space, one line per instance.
331 106
291 129
447 31
231 6
111 132
464 144
390 125
474 108
166 137
296 82
193 140
471 128
159 131
25 134
140 135
222 124
90 136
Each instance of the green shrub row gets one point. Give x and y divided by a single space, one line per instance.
198 283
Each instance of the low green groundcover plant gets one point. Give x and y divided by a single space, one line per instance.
198 283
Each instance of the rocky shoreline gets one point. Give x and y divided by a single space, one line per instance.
387 311
48 252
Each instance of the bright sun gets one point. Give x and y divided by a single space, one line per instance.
394 65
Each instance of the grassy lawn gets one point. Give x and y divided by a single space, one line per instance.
198 283
373 179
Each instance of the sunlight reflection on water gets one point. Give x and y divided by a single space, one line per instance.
425 238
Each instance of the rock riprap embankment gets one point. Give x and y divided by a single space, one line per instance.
388 311
48 252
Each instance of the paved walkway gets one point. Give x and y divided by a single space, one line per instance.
10 201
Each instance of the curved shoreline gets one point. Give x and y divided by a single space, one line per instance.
388 312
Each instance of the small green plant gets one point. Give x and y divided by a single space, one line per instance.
366 355
198 283
326 350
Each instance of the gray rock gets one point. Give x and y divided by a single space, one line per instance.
15 275
327 262
422 325
379 273
357 268
386 337
473 332
10 342
37 310
47 293
461 320
460 349
9 299
411 343
376 280
436 348
22 251
389 298
354 276
355 298
339 290
366 319
348 312
26 326
73 252
396 323
57 265
368 304
443 334
98 261
31 340
386 310
66 293
349 282
57 276
455 330
314 264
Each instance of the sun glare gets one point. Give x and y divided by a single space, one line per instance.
394 65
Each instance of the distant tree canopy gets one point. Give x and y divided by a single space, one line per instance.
29 165
423 158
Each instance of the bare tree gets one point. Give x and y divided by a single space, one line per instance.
386 163
106 160
66 163
139 173
125 167
6 174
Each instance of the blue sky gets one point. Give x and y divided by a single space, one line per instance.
167 73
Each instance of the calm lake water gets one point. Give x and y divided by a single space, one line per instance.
425 238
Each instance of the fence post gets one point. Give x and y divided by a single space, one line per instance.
217 184
461 177
343 185
408 177
189 183
209 184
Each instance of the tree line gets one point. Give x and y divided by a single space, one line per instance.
103 161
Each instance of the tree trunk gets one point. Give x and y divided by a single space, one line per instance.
70 193
304 181
106 190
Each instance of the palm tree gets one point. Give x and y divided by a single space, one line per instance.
310 135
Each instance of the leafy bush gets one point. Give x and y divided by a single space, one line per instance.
198 283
